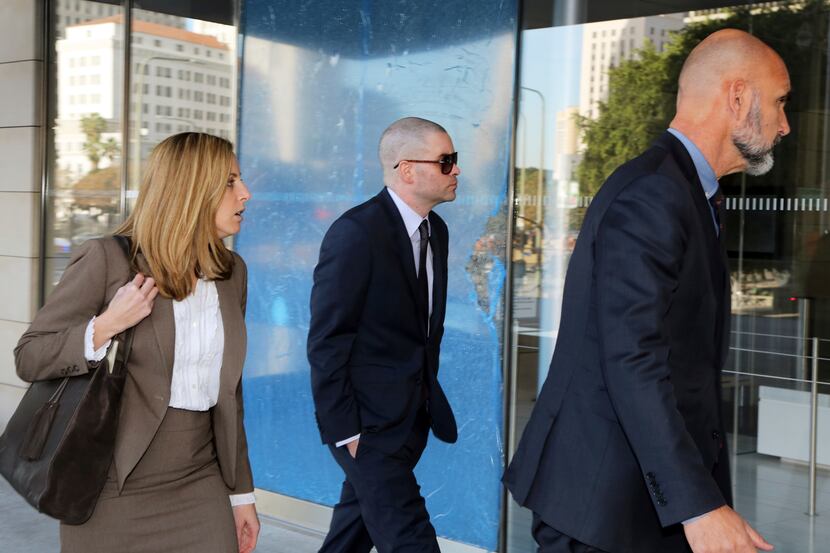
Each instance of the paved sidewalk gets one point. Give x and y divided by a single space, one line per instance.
22 529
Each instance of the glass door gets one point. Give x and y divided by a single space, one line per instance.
587 72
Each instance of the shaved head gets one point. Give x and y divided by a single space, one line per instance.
730 101
404 139
723 56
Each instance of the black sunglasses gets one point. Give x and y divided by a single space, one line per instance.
446 161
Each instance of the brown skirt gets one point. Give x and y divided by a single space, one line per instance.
174 500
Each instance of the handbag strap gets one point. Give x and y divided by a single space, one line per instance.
125 339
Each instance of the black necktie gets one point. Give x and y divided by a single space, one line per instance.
716 201
423 283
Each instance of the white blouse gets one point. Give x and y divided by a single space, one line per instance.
200 342
197 361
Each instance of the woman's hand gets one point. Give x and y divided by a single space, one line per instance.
130 305
247 527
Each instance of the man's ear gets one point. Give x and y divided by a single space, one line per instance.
406 172
738 101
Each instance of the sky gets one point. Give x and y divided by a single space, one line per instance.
550 61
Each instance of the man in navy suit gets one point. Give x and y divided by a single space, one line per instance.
377 318
625 449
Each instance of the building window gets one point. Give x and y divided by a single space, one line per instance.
157 43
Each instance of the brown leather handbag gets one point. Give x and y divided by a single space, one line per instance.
58 445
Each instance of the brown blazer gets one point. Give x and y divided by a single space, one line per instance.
53 347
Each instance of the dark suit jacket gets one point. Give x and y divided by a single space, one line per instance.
371 361
53 347
626 438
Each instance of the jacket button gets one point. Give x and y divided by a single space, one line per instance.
715 435
662 502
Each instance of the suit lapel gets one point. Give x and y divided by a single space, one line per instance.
439 272
718 258
232 321
164 326
400 241
715 247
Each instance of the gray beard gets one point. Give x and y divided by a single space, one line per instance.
758 156
759 159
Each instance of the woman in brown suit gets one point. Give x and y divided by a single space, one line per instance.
180 479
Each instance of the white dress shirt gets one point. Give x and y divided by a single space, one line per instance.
411 221
200 343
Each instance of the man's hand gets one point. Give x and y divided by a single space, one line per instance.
724 531
247 527
352 447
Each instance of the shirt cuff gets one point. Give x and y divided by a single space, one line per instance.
242 499
90 352
347 441
694 519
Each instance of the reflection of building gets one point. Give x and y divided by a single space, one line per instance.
566 146
74 12
696 16
607 43
182 81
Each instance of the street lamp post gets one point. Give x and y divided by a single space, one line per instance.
542 123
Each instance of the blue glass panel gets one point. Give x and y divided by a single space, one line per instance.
320 83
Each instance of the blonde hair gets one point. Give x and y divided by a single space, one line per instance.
173 221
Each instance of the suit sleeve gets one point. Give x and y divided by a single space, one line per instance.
338 295
53 345
638 253
244 475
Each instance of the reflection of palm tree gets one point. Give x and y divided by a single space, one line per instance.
110 149
93 126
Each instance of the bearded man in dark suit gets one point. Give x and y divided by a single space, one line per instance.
625 449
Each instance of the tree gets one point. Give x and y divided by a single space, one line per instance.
110 149
93 126
642 92
637 109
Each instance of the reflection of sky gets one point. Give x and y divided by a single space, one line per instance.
550 61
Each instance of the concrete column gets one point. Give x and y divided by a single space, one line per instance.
21 122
